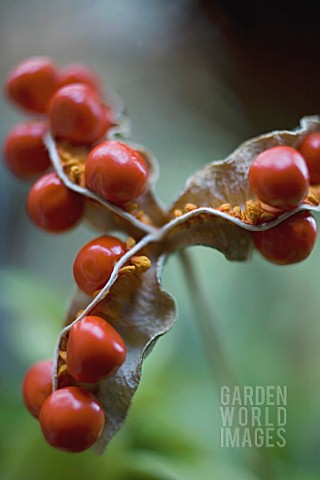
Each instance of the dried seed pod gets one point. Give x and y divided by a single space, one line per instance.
215 209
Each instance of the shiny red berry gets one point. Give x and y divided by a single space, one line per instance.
72 419
32 83
77 114
95 261
25 154
78 73
279 177
289 242
117 172
310 150
37 386
52 206
95 350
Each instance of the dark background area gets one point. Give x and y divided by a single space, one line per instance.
275 46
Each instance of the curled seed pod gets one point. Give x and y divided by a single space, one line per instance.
215 209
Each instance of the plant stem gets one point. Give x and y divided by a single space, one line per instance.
220 365
207 323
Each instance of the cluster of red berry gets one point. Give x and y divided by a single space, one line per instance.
280 178
73 112
70 99
71 417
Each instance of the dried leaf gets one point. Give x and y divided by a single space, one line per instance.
141 311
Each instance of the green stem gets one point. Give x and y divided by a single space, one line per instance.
207 323
220 364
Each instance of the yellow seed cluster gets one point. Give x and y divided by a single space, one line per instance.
73 160
138 264
190 207
138 213
177 213
313 197
254 212
225 207
130 243
127 269
63 354
142 263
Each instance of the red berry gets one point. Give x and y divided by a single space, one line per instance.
52 206
94 263
37 386
32 83
116 172
95 350
279 177
24 152
310 150
72 419
289 242
77 114
78 73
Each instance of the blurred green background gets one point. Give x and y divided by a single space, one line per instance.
197 80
